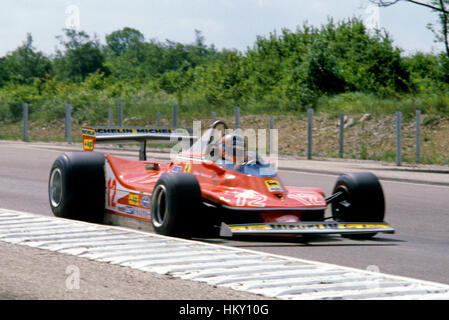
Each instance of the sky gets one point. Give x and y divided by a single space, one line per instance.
232 24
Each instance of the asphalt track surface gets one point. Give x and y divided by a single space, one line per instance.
419 212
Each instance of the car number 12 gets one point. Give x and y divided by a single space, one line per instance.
251 200
112 192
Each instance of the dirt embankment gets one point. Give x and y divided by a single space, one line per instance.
366 136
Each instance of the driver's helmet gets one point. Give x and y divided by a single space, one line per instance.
232 148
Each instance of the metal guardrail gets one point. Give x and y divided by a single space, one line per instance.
398 141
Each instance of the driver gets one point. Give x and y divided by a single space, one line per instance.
232 150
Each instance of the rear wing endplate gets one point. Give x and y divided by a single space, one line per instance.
141 135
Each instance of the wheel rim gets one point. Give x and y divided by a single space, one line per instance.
160 211
56 188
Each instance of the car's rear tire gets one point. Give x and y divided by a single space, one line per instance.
76 186
176 204
362 200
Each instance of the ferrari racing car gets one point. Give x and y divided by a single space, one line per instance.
216 186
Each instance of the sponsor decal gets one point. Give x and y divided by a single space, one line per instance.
88 144
308 226
129 210
176 169
273 186
364 226
121 208
250 228
324 226
188 168
133 199
141 213
135 130
133 211
88 138
146 202
88 132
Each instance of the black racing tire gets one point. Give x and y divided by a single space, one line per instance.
175 204
362 201
77 187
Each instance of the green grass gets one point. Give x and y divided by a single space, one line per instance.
356 102
140 109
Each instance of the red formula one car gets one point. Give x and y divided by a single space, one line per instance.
216 186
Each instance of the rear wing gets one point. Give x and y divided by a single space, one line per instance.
141 135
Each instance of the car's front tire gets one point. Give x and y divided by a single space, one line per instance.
76 186
362 200
176 201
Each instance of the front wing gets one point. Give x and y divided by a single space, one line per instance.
300 228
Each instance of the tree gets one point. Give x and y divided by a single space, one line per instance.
434 5
120 41
4 72
439 6
443 34
24 64
81 57
321 70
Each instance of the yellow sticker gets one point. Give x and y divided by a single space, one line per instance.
188 168
273 185
363 226
133 199
88 132
88 144
305 226
249 227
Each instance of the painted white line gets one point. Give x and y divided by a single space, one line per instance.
383 180
424 183
239 269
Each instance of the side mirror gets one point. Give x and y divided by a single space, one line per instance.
152 166
209 164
